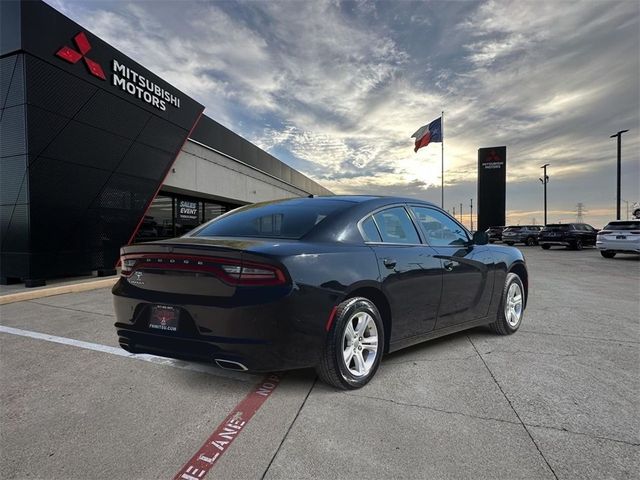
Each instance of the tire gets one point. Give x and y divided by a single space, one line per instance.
509 243
509 316
577 245
545 246
333 369
607 253
530 242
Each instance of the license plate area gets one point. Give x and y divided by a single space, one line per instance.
621 237
164 318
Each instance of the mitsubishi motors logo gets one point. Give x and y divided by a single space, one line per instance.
493 157
73 56
492 160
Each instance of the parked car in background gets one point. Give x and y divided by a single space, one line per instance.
495 233
619 236
527 234
572 235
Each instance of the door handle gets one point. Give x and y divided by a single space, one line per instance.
448 265
389 263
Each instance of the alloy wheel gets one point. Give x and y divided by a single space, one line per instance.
360 344
513 305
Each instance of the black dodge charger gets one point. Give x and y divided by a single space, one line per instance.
325 282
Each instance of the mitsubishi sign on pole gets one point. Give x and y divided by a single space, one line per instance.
492 176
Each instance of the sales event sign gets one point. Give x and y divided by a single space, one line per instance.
187 210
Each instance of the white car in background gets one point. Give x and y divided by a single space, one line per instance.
619 236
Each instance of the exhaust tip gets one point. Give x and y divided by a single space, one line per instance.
230 365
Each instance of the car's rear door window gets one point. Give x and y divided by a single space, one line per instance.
395 226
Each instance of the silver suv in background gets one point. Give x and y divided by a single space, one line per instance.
619 236
527 234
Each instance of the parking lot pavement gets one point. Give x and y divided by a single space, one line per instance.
559 399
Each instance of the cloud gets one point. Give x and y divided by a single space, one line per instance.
336 88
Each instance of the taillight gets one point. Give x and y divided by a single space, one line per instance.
254 274
604 232
635 232
127 265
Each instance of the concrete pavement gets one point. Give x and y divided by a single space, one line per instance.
559 399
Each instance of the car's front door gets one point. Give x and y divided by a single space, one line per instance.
411 273
467 268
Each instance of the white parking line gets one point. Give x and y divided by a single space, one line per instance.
184 365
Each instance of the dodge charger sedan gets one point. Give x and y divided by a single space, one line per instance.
326 282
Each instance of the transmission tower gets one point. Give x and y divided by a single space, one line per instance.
580 211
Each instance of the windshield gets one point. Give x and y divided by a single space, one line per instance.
512 229
290 219
630 225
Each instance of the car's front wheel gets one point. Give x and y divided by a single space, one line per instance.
545 246
577 245
509 243
531 242
511 307
354 345
607 253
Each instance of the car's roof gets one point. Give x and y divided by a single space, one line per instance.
368 198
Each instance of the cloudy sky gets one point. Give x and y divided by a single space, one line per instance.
335 89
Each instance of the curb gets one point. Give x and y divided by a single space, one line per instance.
51 291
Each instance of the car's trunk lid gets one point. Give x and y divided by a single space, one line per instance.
196 266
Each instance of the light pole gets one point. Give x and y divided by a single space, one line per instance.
461 220
471 212
627 202
619 135
545 180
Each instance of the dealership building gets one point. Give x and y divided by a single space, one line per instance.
96 152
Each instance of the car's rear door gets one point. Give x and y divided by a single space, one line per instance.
411 273
467 269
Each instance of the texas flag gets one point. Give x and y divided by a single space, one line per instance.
427 134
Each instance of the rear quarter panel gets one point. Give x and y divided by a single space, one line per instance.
505 258
322 276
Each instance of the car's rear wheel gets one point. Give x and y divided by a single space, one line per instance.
511 307
546 246
607 253
531 241
354 345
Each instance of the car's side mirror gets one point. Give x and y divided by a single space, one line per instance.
480 238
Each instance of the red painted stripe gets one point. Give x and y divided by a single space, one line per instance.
223 436
164 179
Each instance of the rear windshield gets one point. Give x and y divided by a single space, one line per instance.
562 228
512 229
288 219
630 225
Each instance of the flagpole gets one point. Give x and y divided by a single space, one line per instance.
442 159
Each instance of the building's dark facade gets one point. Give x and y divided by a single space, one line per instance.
87 136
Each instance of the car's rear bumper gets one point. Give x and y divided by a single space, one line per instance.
264 336
619 246
512 239
544 241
